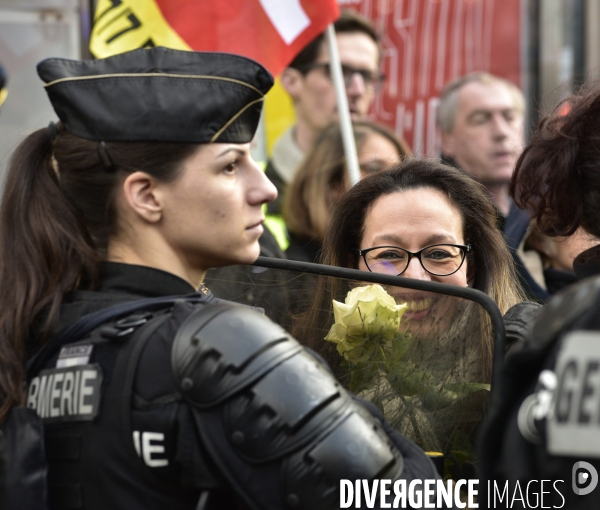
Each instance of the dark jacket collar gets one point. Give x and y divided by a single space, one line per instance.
122 282
141 281
118 283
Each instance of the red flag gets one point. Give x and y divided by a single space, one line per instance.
271 32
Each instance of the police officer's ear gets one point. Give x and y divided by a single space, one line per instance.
292 81
142 197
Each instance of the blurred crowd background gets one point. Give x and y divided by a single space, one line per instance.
545 47
462 82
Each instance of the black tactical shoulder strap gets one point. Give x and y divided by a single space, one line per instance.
279 426
88 323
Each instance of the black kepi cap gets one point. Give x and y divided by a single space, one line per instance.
158 95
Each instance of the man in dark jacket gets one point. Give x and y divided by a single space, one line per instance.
480 117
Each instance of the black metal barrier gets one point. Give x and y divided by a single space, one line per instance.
425 353
399 281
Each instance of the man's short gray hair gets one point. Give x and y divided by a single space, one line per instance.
446 113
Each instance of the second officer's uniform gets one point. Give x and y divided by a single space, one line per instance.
545 424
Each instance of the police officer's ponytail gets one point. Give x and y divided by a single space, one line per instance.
56 217
557 177
43 250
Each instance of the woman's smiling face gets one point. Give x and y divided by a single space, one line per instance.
413 219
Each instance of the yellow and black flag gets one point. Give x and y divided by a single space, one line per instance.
124 25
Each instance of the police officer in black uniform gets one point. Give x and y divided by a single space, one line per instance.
543 434
150 400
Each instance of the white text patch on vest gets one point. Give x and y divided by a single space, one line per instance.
66 394
573 426
74 354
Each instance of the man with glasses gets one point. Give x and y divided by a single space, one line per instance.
307 80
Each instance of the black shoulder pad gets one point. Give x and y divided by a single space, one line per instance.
356 449
271 415
300 434
563 309
518 321
220 349
290 405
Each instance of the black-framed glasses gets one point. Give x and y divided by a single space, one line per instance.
372 79
437 259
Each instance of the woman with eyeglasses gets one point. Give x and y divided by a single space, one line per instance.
427 221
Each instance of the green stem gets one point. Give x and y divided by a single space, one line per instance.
413 421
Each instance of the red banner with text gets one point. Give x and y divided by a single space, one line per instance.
428 43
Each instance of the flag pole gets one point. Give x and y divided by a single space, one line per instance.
343 110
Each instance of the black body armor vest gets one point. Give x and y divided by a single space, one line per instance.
192 407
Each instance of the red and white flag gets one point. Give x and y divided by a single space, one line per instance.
271 32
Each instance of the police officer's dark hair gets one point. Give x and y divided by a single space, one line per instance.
348 22
557 177
57 212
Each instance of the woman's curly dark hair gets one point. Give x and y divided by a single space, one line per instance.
557 177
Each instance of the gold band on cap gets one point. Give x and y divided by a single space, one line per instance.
151 75
158 95
227 124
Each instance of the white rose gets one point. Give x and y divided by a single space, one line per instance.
368 316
